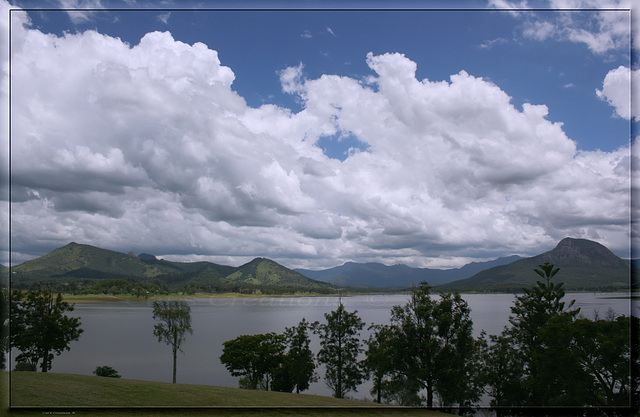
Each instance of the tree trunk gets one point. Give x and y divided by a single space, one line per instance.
429 396
45 362
175 351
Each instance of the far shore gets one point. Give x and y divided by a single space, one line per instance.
106 298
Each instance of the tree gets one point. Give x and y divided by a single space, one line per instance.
298 367
552 358
416 344
533 310
255 358
434 349
39 327
175 317
106 371
379 361
458 357
540 331
339 338
603 349
503 370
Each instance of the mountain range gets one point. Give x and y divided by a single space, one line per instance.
378 275
74 262
585 265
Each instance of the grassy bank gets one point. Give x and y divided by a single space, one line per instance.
91 395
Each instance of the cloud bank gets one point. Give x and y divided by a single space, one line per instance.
149 148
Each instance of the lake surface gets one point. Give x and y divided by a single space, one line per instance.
120 335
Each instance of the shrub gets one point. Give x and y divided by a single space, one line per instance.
24 366
106 371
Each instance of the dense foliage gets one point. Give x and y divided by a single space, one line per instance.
254 358
298 365
432 350
552 357
281 362
39 326
106 371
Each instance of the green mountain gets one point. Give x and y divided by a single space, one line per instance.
84 261
584 266
79 263
263 271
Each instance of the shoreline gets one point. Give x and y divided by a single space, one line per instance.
105 298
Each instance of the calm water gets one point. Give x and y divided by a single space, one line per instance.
120 335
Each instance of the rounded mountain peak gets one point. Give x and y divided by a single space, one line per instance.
584 251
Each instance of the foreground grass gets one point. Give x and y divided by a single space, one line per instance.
53 393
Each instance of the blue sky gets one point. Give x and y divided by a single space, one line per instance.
351 201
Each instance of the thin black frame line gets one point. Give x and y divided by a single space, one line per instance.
316 9
249 10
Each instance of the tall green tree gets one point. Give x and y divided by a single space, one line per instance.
533 310
340 347
457 382
298 366
378 363
175 322
540 330
435 350
254 358
502 371
417 344
39 326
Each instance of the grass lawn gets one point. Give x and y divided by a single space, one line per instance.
36 393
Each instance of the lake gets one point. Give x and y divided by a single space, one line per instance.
120 335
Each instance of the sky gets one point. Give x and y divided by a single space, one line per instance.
313 135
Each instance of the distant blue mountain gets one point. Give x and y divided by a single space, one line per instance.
378 275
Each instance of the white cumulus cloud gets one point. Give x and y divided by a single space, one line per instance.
617 91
